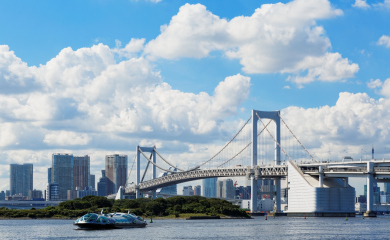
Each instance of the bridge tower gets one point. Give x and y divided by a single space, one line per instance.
151 150
273 115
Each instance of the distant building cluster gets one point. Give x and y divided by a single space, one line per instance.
68 178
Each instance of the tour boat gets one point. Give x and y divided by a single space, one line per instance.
109 221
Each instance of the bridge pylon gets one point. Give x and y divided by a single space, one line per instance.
275 116
152 158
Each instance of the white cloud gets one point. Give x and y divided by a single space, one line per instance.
66 138
384 40
361 4
385 4
386 88
276 38
356 121
91 99
374 83
330 67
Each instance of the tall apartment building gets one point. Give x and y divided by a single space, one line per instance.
188 191
102 185
225 189
21 178
209 187
34 194
49 179
197 190
81 168
92 181
172 189
62 173
116 172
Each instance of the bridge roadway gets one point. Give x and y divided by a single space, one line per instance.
180 177
381 173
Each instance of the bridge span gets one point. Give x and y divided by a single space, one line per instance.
313 186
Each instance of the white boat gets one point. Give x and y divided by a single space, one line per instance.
111 220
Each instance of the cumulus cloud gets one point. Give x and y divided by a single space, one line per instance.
104 98
374 83
384 40
356 120
89 90
65 138
276 38
361 4
385 4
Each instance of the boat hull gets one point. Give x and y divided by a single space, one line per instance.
94 226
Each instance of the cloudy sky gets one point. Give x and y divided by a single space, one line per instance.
101 77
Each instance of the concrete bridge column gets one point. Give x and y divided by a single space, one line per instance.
321 176
370 190
154 173
253 204
277 162
138 175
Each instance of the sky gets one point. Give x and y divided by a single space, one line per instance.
101 77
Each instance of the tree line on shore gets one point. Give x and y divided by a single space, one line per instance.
173 206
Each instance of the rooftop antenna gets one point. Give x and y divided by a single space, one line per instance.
372 151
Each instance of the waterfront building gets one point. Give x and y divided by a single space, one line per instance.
209 187
49 170
52 192
34 194
7 193
92 181
385 199
87 192
188 191
170 190
225 189
2 196
102 185
21 178
243 192
386 188
62 173
16 197
116 172
81 171
197 190
72 194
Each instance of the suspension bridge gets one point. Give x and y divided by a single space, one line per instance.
265 148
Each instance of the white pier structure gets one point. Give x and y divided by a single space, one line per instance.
313 187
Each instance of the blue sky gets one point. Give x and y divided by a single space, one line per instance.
323 63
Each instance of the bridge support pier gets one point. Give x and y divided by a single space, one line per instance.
370 190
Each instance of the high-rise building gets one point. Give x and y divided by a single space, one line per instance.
209 187
171 190
387 188
52 192
92 181
21 178
87 192
2 196
188 191
225 189
102 185
197 190
116 172
62 173
7 193
49 179
243 192
81 171
35 194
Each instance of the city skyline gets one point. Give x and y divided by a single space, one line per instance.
187 78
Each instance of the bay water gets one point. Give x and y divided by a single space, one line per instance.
257 228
